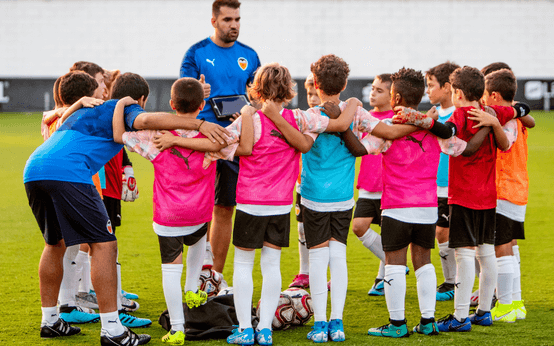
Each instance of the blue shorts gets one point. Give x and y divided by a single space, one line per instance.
227 173
73 212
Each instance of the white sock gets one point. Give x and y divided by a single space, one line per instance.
516 289
83 271
243 286
119 294
194 264
372 241
49 316
303 251
465 278
207 259
477 268
426 290
319 262
68 286
487 278
111 323
270 262
395 290
339 278
381 273
505 283
448 262
171 281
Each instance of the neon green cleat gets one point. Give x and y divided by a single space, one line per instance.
519 308
194 300
174 338
503 313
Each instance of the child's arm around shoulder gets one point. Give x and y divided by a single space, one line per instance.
402 128
426 121
352 143
342 123
295 138
486 118
246 141
84 101
118 123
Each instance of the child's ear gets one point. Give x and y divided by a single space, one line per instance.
315 84
459 94
142 101
202 105
171 104
344 87
447 87
397 99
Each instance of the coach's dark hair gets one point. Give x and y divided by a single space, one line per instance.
56 92
442 72
385 78
469 80
88 67
503 82
495 66
330 74
187 95
218 4
130 84
74 85
410 84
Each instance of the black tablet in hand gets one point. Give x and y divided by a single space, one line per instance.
225 106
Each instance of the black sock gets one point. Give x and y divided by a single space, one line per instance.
398 323
427 320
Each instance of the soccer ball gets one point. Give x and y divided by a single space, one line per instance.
209 282
284 314
302 303
225 291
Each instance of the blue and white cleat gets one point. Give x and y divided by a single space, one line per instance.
75 314
319 332
264 337
378 288
336 330
244 337
133 321
451 324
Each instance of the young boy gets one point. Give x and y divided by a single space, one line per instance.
370 184
439 91
468 201
512 191
81 146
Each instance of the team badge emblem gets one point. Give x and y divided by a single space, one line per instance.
243 63
109 227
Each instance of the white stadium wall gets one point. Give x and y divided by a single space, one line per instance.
40 40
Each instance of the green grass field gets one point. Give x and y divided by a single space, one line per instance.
21 245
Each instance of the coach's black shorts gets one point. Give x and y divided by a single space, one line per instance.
113 207
366 207
73 212
227 173
444 213
251 231
470 227
396 235
507 230
172 247
322 226
298 208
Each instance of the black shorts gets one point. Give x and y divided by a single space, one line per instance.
366 207
73 212
470 227
172 247
320 227
252 231
113 207
444 213
298 208
396 235
227 173
507 230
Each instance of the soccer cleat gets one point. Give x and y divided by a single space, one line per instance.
129 295
86 300
427 329
129 305
329 285
504 313
407 270
519 308
74 314
319 332
474 300
128 338
133 321
245 337
174 338
336 330
445 292
390 330
483 320
264 337
451 324
378 288
60 328
300 281
194 300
